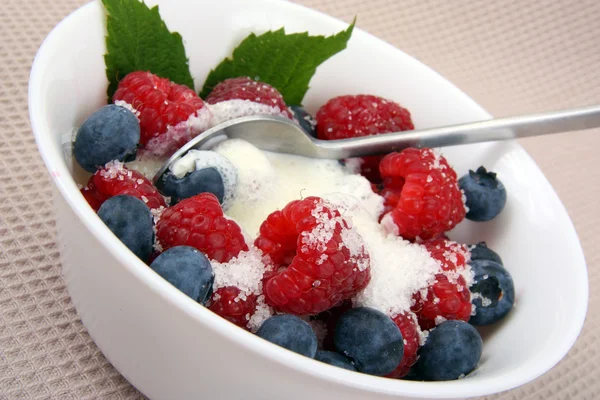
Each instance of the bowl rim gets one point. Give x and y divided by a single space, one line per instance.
68 189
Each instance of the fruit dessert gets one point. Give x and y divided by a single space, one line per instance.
348 262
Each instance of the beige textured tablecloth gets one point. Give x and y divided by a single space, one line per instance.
511 56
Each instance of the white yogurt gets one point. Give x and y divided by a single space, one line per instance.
268 181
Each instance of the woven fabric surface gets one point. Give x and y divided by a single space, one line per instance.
511 56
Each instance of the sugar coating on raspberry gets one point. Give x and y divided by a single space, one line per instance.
314 268
453 256
126 105
162 105
115 169
463 274
246 88
227 303
326 227
177 135
442 300
244 272
227 110
115 179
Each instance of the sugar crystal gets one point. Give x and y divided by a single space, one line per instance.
261 313
398 267
244 272
126 105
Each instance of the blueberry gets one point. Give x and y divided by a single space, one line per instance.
188 270
290 332
131 221
493 292
111 133
196 182
452 350
200 171
480 251
335 359
306 121
486 195
370 339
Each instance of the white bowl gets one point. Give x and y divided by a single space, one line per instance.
169 347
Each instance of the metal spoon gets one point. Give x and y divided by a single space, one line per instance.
282 135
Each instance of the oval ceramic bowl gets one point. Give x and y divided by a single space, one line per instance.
170 347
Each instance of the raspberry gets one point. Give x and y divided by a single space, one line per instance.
319 259
390 190
409 328
449 297
451 255
199 222
245 88
115 179
430 201
161 104
362 115
450 300
227 303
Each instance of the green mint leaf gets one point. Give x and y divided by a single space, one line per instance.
138 39
286 62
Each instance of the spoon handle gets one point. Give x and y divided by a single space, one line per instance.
475 132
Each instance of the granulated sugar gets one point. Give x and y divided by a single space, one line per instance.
113 169
398 267
261 313
322 233
126 105
168 142
230 109
244 272
485 302
156 214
